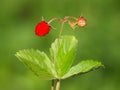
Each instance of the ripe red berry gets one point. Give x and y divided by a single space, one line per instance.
42 28
81 22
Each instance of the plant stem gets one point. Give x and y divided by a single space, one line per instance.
53 86
58 84
59 19
58 42
60 32
58 80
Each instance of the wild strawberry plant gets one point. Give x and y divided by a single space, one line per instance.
62 53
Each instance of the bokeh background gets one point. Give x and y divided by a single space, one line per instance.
99 40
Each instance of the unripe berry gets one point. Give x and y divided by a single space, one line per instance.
81 22
42 28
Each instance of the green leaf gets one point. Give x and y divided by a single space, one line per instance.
38 62
83 67
63 51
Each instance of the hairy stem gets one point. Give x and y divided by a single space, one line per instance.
60 31
58 84
53 86
59 19
55 56
58 80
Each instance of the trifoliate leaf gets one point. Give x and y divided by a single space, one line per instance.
83 67
38 62
63 51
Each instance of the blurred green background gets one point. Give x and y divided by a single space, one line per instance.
99 40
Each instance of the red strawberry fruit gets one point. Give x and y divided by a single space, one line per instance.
42 28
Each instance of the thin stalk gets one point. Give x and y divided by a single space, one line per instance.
60 32
58 42
59 19
58 84
53 86
58 80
